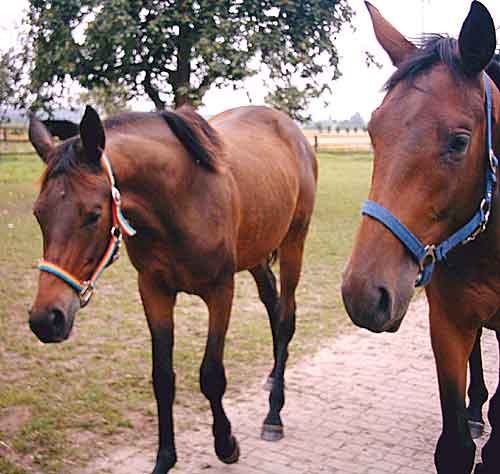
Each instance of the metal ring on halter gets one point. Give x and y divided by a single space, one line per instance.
429 258
115 193
116 232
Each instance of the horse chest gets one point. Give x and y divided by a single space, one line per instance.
181 263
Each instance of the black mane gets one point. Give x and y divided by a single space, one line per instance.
433 49
190 128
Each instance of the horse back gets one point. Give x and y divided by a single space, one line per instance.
274 171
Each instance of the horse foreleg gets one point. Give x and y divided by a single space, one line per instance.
212 374
452 344
266 285
290 265
478 393
159 306
491 450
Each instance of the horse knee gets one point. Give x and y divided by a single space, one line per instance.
212 380
286 329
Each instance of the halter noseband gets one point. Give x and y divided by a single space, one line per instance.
85 289
427 255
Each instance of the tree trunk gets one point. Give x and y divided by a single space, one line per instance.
153 93
182 76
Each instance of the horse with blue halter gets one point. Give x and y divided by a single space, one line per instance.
433 214
194 202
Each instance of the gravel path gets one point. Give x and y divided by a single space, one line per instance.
366 405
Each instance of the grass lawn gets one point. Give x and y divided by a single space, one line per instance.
59 402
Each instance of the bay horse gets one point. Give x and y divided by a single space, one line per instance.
432 218
195 202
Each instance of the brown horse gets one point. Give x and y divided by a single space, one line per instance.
206 201
432 161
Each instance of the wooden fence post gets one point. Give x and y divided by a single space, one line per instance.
315 142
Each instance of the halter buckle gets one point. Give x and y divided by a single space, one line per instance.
485 207
86 294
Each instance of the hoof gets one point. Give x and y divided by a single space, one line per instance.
268 386
476 429
234 456
272 432
164 462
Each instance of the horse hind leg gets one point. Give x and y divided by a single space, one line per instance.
266 285
291 252
491 451
478 393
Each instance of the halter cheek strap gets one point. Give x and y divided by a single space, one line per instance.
427 255
85 289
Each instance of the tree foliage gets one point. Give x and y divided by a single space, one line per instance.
7 79
107 100
175 50
292 100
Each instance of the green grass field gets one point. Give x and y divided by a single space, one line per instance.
58 402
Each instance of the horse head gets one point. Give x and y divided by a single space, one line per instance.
74 211
429 138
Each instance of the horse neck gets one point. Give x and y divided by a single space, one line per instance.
150 170
495 217
491 248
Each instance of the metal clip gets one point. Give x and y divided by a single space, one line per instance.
486 208
86 294
493 161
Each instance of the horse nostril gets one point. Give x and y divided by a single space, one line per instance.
384 301
57 320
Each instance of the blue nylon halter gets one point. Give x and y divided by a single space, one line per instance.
427 255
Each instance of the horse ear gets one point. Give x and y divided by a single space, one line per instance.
394 43
40 138
92 135
477 40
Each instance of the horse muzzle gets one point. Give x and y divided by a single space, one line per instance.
373 305
52 324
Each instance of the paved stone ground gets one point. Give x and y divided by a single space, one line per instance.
366 405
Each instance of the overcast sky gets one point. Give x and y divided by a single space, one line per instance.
358 90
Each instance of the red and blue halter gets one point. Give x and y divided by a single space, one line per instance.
85 288
427 255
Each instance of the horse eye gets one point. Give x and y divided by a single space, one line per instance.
459 143
92 218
